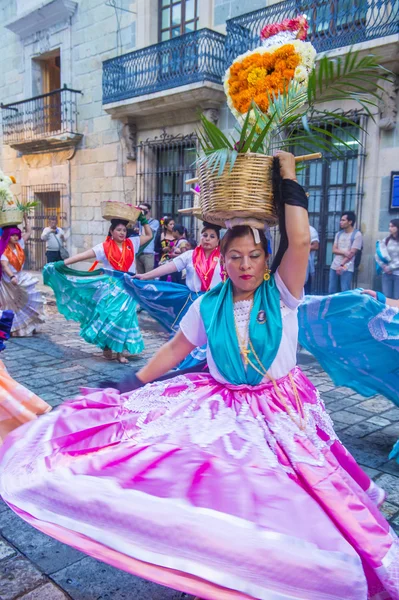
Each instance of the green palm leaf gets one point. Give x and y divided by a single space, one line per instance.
350 78
215 135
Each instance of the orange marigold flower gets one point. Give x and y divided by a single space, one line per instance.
262 101
288 74
255 75
260 74
234 86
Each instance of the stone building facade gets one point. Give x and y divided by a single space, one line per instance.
101 101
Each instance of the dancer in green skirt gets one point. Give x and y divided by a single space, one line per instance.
97 299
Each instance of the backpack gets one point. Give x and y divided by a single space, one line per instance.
358 255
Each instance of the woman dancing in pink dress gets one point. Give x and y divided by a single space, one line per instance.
224 485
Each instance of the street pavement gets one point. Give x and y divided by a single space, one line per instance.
54 364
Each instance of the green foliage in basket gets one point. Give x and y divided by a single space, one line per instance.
6 198
26 206
293 119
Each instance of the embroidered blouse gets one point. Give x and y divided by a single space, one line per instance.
193 328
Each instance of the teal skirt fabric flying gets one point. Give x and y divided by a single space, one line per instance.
99 301
355 339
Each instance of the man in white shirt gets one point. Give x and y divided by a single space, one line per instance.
55 239
347 243
314 246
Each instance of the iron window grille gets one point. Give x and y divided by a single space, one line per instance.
163 165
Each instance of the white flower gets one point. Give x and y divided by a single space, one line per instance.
6 196
301 74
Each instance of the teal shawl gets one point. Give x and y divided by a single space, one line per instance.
265 331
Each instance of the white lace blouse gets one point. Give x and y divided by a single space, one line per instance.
193 328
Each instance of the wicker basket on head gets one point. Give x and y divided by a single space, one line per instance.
14 216
119 210
246 191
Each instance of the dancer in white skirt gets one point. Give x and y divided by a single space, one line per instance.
17 288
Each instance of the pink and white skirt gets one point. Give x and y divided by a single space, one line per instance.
218 491
25 301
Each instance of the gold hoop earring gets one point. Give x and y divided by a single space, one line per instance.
266 275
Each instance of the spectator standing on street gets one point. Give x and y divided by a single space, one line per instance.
347 243
387 257
55 239
145 260
179 233
314 246
165 240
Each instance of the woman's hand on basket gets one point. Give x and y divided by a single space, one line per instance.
14 280
287 164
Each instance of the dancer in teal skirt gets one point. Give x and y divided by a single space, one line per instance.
98 299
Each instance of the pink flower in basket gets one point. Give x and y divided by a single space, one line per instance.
299 24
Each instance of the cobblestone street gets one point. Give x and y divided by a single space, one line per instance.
54 364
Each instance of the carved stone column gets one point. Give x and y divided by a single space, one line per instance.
130 136
387 106
212 114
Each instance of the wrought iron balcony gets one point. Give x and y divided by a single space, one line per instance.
193 57
333 23
43 123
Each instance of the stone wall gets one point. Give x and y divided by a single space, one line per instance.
99 170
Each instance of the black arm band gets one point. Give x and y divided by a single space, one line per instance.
286 191
294 194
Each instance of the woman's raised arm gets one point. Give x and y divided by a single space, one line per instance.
293 266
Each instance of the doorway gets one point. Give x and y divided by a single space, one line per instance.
46 85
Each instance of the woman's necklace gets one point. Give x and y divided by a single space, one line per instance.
205 275
119 262
243 344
